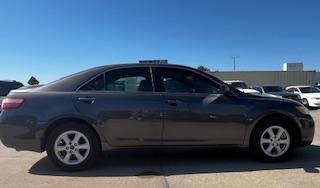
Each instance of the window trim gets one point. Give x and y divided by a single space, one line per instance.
117 68
153 79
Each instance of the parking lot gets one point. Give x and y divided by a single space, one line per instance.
216 168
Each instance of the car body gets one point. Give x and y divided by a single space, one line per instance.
278 91
147 106
6 86
310 95
241 85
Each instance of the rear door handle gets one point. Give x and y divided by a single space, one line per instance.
88 99
172 102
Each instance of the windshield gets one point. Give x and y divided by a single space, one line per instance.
269 89
309 90
240 85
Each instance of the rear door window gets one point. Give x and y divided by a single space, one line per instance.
96 84
129 80
126 80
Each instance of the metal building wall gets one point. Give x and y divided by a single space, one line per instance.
318 77
280 78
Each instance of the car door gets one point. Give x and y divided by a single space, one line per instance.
123 105
194 111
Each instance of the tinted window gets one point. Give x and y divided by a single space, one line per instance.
129 80
6 87
309 90
240 85
97 84
182 81
293 90
258 89
268 89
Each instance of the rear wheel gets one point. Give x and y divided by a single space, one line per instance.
72 146
273 140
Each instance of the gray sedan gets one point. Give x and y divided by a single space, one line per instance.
148 106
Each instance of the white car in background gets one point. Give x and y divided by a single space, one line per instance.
310 95
242 86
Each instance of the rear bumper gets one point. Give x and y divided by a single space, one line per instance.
21 136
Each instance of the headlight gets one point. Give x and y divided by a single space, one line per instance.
303 110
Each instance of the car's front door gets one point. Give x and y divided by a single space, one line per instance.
123 105
194 111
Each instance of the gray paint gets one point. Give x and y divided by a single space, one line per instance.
148 119
279 78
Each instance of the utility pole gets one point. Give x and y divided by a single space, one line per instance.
234 62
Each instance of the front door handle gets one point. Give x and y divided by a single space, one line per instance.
172 102
88 99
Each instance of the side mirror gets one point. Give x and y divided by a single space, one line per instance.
296 92
224 89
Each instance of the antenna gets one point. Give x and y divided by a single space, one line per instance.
234 62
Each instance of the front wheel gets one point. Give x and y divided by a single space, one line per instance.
273 140
72 146
305 102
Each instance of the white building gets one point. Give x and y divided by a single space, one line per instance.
293 66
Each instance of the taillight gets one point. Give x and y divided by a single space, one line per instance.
11 103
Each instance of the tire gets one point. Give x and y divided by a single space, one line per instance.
305 102
75 155
262 142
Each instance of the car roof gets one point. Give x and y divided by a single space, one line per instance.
270 86
299 86
140 65
232 81
8 81
72 82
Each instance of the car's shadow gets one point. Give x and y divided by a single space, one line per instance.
133 163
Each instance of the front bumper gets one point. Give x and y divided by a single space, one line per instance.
307 128
314 102
21 133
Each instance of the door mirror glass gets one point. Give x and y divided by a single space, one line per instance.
224 89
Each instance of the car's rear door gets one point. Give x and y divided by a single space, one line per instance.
123 105
194 111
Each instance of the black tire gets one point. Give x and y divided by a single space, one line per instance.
256 148
305 102
87 132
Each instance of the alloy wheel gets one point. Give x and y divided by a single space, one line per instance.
275 141
72 147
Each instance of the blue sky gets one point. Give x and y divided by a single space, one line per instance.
51 39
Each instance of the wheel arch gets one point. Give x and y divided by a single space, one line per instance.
284 116
58 122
